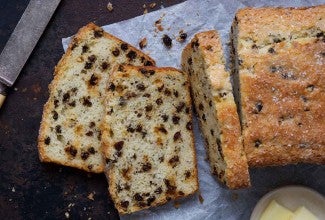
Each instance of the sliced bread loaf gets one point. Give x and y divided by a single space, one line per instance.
280 69
70 134
147 137
212 93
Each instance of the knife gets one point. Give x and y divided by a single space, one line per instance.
23 40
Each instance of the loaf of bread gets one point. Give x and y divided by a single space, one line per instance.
147 137
70 134
212 93
279 56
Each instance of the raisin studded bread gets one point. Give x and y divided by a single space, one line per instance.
70 134
280 71
203 59
147 137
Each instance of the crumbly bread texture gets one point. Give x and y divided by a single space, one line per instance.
148 141
212 93
70 134
280 69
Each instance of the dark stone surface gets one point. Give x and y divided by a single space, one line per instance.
29 189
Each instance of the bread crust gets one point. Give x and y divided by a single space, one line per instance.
108 148
208 46
281 72
60 71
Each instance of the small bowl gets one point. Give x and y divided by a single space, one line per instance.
292 197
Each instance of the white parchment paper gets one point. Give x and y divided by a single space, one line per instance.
194 16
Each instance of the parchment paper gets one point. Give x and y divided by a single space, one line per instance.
194 16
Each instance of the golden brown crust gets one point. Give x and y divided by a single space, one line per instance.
208 46
130 73
282 85
59 73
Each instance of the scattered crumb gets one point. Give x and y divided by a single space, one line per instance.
144 6
13 189
67 215
201 198
158 24
85 208
10 200
143 43
71 205
234 196
16 89
181 36
89 218
110 6
108 213
152 5
168 42
145 11
177 204
91 196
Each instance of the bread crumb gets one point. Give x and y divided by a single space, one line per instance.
91 196
181 36
145 11
152 5
110 6
201 198
143 43
13 189
67 215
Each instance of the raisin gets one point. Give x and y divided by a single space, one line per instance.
84 155
122 101
47 140
176 94
183 36
176 119
91 150
138 197
148 108
240 62
141 87
254 46
93 80
139 128
177 136
167 92
111 87
143 134
72 104
189 126
173 161
125 204
118 153
139 115
119 145
98 33
146 167
158 190
85 48
195 44
151 72
92 124
90 133
92 58
162 129
121 68
116 52
212 132
88 65
187 174
159 101
87 102
258 107
170 188
147 95
161 88
150 200
257 143
124 46
167 41
66 97
201 107
210 103
131 55
56 103
58 129
180 107
320 34
71 150
134 156
55 115
203 117
187 110
161 159
148 63
181 193
271 50
190 61
105 65
165 117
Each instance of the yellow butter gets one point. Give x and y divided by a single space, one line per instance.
303 214
275 211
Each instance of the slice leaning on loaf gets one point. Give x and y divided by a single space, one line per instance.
280 72
214 103
148 141
70 134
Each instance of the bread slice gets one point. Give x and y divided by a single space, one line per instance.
212 93
147 137
70 134
280 66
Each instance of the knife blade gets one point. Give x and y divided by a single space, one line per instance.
23 40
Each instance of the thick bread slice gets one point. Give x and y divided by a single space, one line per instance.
69 132
148 141
203 59
280 68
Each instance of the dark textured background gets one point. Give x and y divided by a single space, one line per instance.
29 189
